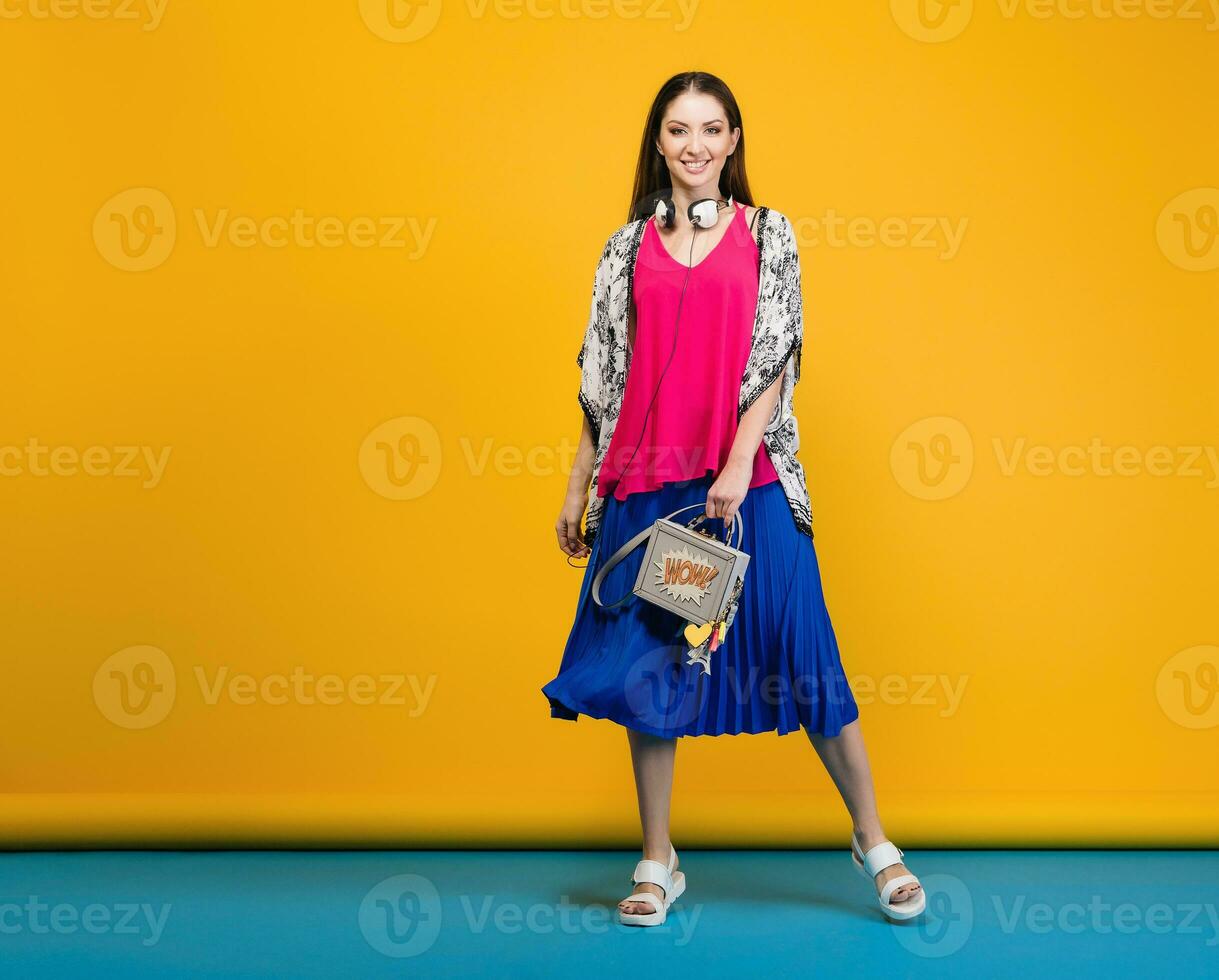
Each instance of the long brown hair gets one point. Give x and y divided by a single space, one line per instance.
652 178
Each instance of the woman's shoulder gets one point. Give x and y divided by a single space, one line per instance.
771 216
753 219
780 234
624 233
619 241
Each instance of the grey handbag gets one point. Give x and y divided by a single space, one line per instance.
689 572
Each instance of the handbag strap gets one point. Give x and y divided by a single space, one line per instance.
636 541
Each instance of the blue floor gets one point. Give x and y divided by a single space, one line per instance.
551 913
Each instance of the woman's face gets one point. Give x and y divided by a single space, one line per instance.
696 142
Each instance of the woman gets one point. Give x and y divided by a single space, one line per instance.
722 330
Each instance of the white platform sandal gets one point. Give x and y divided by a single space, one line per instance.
673 883
885 855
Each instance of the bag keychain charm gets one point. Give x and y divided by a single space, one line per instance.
711 634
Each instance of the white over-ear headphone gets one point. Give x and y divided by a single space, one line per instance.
703 213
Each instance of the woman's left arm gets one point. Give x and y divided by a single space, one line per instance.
732 483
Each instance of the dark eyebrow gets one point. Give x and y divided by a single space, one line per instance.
708 123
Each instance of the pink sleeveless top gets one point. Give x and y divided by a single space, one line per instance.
693 418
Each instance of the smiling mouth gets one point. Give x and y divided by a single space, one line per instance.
697 168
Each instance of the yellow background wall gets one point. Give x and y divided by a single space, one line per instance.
1011 272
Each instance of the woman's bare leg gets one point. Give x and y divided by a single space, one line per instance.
846 760
652 758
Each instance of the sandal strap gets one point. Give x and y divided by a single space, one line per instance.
883 855
893 884
652 873
648 897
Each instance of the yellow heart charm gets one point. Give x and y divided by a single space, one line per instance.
696 636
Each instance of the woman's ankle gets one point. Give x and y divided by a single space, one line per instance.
868 834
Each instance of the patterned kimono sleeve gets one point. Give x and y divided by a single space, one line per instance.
593 352
789 299
778 335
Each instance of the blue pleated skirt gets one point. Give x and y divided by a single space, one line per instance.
778 668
